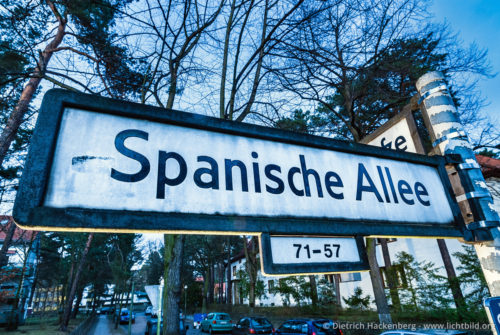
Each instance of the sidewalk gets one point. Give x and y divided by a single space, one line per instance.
105 326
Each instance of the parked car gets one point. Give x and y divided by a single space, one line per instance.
152 326
309 327
217 322
148 310
197 318
253 325
426 332
106 310
125 316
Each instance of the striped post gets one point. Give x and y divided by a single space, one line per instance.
449 137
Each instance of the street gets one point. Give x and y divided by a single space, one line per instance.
105 326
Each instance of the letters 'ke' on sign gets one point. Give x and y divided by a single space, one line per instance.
399 133
98 164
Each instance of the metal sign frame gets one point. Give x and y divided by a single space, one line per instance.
29 212
270 268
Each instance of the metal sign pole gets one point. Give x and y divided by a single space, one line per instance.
449 137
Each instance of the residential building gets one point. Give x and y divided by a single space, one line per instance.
16 278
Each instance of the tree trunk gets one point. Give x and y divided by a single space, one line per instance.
16 117
211 283
46 297
336 278
172 285
229 290
222 92
221 281
314 290
34 285
117 314
13 318
251 267
391 276
69 283
79 296
378 288
456 291
205 292
71 296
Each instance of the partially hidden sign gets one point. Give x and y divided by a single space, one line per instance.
98 164
399 133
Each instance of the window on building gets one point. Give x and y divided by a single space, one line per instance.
282 283
398 269
234 271
270 285
348 277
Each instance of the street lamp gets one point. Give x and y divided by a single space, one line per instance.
185 300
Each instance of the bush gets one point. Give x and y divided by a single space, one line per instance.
357 301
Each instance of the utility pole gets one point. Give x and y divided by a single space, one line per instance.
475 201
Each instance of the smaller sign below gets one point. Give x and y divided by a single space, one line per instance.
493 307
296 250
284 255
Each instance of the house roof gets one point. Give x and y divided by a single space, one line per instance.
489 166
20 235
241 254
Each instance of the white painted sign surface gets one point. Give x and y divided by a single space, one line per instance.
300 250
103 161
398 137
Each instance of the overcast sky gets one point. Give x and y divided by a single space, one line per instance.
479 21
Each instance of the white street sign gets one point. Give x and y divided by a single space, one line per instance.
105 161
97 164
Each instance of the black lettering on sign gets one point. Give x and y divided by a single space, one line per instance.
362 175
398 143
400 140
335 182
306 173
294 189
420 191
162 173
213 172
280 188
405 188
120 146
229 164
385 145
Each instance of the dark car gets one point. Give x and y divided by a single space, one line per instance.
106 310
152 326
125 316
253 325
309 327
